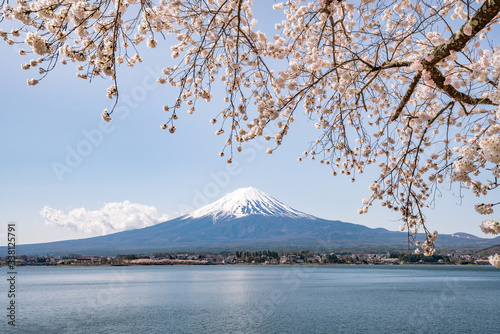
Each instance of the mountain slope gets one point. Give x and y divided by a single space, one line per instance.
249 232
244 202
245 219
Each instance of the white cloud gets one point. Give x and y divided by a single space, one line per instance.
112 217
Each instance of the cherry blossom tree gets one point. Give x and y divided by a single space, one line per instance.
410 87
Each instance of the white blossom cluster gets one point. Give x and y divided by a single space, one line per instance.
484 209
428 246
494 260
105 116
38 44
490 147
490 226
472 158
388 85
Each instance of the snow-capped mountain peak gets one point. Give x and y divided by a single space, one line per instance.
244 202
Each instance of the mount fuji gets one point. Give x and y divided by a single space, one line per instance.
248 219
245 202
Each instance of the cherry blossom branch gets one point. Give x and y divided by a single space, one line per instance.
407 96
481 18
439 80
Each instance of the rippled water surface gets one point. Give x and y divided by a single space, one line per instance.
257 299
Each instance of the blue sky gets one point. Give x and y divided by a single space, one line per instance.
132 159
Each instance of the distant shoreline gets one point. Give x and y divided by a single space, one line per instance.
251 264
247 258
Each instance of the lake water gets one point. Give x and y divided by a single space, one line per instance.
256 299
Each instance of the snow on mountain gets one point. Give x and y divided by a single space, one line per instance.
244 202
